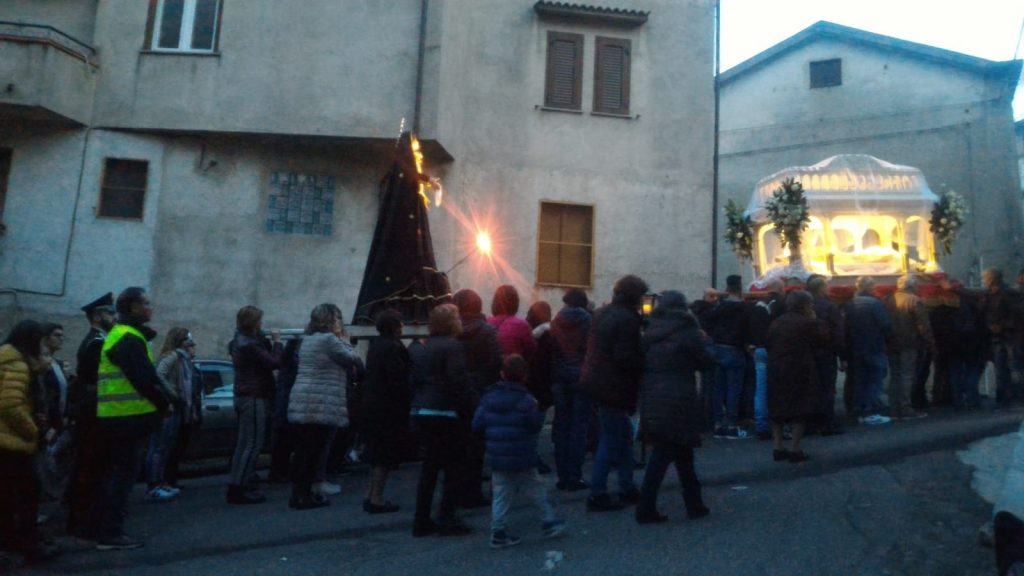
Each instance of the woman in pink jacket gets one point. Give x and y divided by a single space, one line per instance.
514 335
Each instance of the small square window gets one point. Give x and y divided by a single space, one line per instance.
184 26
826 73
123 194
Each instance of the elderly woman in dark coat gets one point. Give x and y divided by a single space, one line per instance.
385 407
793 391
671 416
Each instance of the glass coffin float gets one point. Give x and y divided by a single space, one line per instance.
868 217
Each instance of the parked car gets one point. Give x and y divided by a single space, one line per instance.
216 436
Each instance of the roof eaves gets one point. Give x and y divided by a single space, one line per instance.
823 29
586 12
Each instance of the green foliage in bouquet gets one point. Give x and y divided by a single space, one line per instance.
948 215
738 231
787 210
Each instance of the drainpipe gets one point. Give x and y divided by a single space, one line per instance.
420 55
714 185
71 232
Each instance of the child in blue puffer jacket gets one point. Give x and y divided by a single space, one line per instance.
510 421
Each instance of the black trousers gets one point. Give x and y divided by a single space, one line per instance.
85 476
310 442
19 502
662 455
444 445
120 459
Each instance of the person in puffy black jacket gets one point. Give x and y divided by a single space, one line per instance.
611 377
565 346
442 405
671 415
483 365
510 419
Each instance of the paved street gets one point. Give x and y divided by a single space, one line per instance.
889 500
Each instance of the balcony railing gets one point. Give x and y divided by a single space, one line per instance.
43 34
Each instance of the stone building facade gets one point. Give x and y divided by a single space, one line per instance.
223 153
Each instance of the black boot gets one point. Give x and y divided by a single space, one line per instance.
240 495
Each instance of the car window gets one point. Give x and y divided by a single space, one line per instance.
218 380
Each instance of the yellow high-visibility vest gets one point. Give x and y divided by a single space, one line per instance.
115 395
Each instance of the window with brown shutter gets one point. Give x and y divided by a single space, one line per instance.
565 245
564 81
611 75
123 194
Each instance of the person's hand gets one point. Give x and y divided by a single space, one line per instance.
275 336
843 365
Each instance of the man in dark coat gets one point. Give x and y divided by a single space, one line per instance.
611 377
868 326
566 346
670 410
483 366
82 407
998 307
828 357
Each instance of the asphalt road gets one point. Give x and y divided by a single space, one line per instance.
894 501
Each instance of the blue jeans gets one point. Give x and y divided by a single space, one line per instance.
613 446
761 390
869 371
160 445
569 430
964 375
1006 360
728 384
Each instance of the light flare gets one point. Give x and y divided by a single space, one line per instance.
483 243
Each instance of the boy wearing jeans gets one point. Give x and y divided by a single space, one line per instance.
509 420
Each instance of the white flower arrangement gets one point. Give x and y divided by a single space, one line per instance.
948 217
788 212
738 231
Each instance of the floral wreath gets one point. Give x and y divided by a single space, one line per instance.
948 216
788 212
738 231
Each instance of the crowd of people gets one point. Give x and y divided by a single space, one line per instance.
469 401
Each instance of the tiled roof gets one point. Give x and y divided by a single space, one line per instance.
569 10
823 29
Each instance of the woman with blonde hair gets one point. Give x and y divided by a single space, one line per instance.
318 403
171 380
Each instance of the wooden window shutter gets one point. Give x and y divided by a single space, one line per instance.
611 75
564 80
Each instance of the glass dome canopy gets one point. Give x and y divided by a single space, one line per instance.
868 216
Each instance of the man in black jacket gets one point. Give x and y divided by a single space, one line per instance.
82 407
727 325
760 317
611 377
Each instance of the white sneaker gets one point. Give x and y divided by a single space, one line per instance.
160 494
875 419
174 491
327 488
